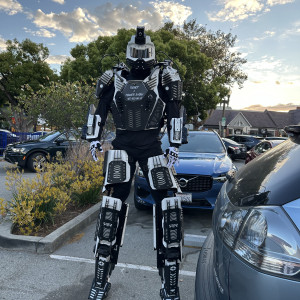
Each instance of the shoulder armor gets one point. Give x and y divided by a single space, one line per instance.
104 81
172 83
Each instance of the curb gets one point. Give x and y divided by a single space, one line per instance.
57 238
52 241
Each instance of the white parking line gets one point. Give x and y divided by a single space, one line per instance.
120 265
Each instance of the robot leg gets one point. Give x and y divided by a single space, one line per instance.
110 229
172 244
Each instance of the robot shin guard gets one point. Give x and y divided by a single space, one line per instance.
109 232
172 242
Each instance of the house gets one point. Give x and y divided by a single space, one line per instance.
266 123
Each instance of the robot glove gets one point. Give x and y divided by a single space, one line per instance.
173 159
93 148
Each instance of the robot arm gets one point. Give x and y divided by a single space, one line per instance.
172 86
97 117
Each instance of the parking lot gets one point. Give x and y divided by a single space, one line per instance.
68 272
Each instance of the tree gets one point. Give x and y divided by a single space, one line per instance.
62 106
205 61
22 63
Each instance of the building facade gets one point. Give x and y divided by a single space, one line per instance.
266 123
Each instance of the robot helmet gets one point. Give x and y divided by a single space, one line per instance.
140 53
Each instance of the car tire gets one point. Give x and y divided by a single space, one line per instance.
36 162
205 288
138 205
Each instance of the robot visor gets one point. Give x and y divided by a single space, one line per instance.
141 53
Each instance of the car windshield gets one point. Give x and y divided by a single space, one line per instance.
230 141
50 136
198 143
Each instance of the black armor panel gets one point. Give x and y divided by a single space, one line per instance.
104 81
172 83
136 104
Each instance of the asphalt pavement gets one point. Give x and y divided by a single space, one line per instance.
67 273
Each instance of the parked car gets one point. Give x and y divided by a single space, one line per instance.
234 149
7 137
253 249
202 170
33 154
248 140
260 148
275 138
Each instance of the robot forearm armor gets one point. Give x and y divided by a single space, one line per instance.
176 125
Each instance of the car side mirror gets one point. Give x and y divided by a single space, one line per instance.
60 140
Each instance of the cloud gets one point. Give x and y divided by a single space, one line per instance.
175 12
277 107
237 10
75 25
2 44
11 7
82 25
59 1
276 2
42 32
56 59
266 34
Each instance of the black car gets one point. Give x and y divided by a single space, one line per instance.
253 251
33 154
248 140
234 149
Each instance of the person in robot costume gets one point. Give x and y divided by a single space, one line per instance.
139 98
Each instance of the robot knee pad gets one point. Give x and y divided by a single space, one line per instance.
116 167
172 227
160 176
108 222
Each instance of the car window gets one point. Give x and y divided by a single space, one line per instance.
67 137
244 139
199 143
50 136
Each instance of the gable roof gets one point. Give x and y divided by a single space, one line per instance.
257 119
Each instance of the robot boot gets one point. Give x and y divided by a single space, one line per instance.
171 247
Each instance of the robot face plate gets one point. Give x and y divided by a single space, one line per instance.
137 52
145 52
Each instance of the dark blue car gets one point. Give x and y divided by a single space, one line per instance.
202 170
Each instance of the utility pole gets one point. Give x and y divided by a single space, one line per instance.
223 122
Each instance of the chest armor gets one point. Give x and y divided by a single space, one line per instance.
136 104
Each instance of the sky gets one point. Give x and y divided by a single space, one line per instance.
268 35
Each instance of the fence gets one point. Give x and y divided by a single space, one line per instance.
7 138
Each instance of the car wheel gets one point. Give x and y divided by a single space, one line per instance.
205 288
37 162
139 205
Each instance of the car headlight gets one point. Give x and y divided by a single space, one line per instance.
264 237
19 150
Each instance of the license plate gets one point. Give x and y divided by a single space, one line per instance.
185 197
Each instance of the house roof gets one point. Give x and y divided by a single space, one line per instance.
257 119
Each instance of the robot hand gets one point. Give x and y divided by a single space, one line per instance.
93 147
173 159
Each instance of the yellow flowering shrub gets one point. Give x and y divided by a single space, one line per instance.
38 200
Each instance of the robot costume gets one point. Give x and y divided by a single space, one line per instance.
140 99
